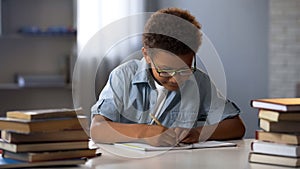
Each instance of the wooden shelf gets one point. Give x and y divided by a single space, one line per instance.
5 86
14 86
24 51
25 36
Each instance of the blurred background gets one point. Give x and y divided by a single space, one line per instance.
258 42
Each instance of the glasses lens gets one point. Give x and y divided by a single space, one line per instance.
166 74
185 72
181 73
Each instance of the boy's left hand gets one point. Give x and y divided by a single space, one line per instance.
186 135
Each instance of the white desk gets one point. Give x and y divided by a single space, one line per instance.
211 158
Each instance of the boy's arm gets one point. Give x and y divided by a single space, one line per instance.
227 129
232 128
104 130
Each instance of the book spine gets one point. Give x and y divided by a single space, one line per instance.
257 135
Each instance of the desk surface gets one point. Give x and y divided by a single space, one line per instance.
209 158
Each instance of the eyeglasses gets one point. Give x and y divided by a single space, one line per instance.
171 73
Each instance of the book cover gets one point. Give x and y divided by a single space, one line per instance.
42 113
50 155
278 116
41 125
10 163
284 138
275 149
279 104
146 147
274 160
35 147
282 126
55 136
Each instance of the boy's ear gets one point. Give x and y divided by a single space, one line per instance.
146 56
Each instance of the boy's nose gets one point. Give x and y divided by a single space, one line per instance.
177 79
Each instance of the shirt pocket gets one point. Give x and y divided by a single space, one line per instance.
183 119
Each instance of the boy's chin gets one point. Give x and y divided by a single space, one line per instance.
171 87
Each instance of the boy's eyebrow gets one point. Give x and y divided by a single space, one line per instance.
168 68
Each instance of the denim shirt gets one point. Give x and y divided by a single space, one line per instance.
130 95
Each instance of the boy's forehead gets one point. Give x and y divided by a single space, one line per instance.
172 60
163 54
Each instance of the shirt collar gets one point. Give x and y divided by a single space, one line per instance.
142 74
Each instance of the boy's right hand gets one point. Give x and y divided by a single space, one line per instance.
156 135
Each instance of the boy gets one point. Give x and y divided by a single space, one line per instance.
163 99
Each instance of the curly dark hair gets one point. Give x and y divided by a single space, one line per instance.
174 30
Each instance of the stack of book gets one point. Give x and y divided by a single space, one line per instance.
49 135
278 141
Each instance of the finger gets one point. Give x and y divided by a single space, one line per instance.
178 130
162 142
192 137
170 133
169 138
188 140
169 142
182 135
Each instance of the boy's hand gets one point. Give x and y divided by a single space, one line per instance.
156 135
185 135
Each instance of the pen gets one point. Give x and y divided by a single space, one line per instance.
155 119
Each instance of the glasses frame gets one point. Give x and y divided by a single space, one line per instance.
172 73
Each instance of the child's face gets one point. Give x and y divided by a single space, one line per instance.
177 67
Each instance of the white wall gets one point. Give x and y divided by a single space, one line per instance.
284 54
96 21
239 31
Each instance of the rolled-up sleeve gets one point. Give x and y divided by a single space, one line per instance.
214 107
107 104
220 108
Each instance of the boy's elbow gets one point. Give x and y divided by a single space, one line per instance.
241 132
240 128
93 133
97 130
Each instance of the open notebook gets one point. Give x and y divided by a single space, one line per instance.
146 147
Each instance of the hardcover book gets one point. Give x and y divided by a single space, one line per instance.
41 125
284 138
275 149
42 114
35 147
279 116
50 155
279 104
274 160
10 163
282 126
55 136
